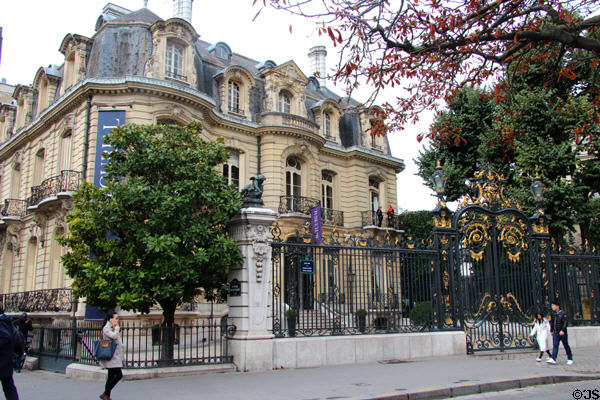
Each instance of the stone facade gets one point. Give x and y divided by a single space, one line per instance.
275 120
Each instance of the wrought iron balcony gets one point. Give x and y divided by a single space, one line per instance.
176 76
296 204
49 300
67 181
14 208
332 217
369 218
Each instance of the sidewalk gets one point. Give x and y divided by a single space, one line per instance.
428 378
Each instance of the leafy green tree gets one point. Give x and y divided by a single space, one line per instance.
417 223
157 232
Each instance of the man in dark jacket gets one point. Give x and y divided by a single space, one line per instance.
558 327
6 356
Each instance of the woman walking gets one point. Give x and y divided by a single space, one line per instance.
541 330
114 365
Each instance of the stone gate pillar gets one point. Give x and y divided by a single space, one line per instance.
251 310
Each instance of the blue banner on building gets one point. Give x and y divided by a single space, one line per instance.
107 120
317 228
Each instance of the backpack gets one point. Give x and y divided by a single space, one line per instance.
17 339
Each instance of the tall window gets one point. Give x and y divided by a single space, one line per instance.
374 190
327 190
234 97
65 152
326 124
285 101
231 170
174 62
293 185
38 168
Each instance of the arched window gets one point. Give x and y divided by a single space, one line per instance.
174 61
285 102
233 97
231 170
327 124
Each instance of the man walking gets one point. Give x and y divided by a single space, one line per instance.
6 356
559 333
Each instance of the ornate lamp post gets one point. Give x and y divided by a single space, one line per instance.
441 212
539 219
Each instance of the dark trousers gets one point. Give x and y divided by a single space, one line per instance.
10 390
114 376
556 339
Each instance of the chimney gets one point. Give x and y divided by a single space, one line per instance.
317 56
183 9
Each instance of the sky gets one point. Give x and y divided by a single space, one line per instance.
33 30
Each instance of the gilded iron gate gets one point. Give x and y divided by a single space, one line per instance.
496 270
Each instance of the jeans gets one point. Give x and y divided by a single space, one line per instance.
10 390
114 376
556 339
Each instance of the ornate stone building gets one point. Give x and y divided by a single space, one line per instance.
312 145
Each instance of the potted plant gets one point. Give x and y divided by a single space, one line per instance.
361 318
291 316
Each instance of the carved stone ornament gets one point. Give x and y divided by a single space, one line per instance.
17 160
259 236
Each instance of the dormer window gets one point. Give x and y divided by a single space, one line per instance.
233 99
285 102
174 61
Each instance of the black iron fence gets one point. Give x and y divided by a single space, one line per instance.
48 300
377 284
352 289
143 347
302 205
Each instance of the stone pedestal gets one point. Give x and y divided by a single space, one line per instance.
251 311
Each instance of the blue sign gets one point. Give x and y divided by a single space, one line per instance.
107 120
307 266
317 228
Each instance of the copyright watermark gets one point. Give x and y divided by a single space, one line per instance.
586 394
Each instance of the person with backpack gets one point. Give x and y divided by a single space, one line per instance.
7 351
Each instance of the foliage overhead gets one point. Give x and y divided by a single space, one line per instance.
157 231
432 48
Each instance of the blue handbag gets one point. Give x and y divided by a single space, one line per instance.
104 349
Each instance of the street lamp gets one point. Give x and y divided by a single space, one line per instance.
537 189
439 180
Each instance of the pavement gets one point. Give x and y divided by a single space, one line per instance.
392 380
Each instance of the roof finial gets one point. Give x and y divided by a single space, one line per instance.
145 3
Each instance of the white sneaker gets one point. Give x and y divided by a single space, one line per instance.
538 359
569 362
551 361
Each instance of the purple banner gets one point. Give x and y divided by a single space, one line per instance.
317 228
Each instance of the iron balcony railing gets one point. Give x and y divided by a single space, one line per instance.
48 300
67 181
297 204
332 217
14 208
175 75
302 205
369 218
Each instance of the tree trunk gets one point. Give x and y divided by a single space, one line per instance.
167 333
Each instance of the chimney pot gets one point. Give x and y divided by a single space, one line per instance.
317 56
183 9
